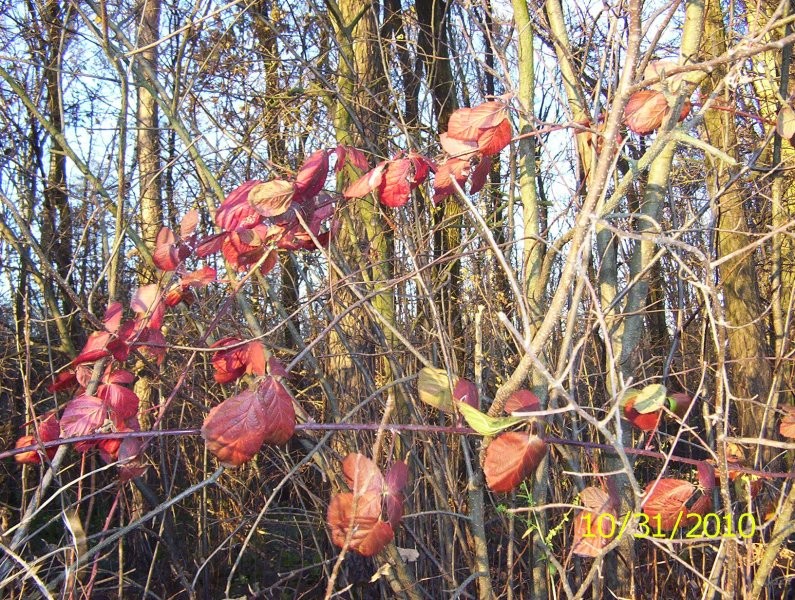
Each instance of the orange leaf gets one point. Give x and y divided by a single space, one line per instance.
511 458
466 123
673 499
645 111
591 521
787 426
358 518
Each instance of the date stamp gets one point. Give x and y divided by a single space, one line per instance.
688 525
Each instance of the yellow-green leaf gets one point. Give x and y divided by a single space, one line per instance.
650 399
434 389
483 423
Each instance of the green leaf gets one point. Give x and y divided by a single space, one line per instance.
433 386
483 423
650 399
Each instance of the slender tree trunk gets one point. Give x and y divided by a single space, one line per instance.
750 373
56 231
148 137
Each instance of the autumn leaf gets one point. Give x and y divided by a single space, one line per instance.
394 498
433 386
49 430
650 399
669 501
453 169
593 521
356 520
466 391
311 177
83 415
456 148
480 175
237 428
353 156
358 514
395 189
647 109
281 412
236 211
467 123
522 401
787 426
121 400
367 183
362 474
272 198
645 422
234 359
483 423
785 123
511 458
188 223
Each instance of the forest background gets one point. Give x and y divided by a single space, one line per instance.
279 270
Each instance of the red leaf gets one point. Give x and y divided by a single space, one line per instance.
466 123
147 304
152 344
522 401
596 502
511 458
129 455
210 244
273 198
119 376
277 401
121 400
367 182
360 518
645 422
236 429
95 348
166 255
466 391
236 211
787 426
706 476
361 474
452 169
83 415
672 500
229 363
256 358
312 175
49 430
480 175
112 318
395 481
353 155
188 224
199 277
458 148
63 381
397 183
493 139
